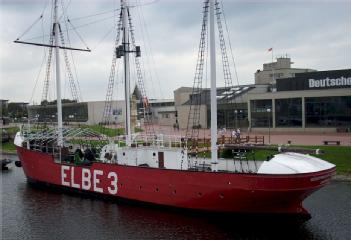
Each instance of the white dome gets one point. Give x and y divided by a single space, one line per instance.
293 163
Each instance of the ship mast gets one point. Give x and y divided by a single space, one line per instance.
126 46
214 157
58 78
56 33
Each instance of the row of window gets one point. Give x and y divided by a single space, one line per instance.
319 112
77 112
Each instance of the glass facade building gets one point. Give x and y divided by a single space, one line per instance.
319 112
311 101
328 111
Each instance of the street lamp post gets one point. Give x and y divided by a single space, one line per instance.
241 118
236 118
269 125
71 117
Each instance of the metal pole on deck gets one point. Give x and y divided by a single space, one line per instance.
214 157
58 78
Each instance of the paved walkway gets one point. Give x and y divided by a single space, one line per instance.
276 137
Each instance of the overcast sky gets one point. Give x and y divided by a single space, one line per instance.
316 34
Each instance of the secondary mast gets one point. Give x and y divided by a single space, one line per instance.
126 46
56 33
214 157
58 78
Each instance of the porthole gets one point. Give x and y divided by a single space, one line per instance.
199 194
153 154
157 189
140 187
221 196
124 154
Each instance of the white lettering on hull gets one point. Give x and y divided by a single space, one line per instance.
96 181
73 184
113 188
64 175
91 180
86 176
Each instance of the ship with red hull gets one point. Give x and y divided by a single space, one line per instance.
166 170
197 190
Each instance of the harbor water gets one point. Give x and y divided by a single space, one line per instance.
28 212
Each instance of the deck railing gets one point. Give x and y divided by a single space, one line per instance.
157 140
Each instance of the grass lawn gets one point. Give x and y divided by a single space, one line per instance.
8 147
111 132
338 155
12 131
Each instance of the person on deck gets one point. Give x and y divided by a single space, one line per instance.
234 135
78 155
238 135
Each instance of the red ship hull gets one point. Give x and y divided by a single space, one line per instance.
205 191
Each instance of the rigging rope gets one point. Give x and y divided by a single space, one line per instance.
76 27
69 71
103 38
198 96
234 64
40 69
47 75
148 48
229 42
80 37
94 15
228 94
106 117
193 123
74 68
140 83
30 27
35 22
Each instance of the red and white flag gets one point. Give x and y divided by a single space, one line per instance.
270 49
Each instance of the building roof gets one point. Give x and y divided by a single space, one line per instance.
160 100
224 95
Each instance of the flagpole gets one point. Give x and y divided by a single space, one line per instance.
272 68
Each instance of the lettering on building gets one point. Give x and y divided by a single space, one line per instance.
329 82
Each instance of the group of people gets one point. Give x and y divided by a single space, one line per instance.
85 158
235 134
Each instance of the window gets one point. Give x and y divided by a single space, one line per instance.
288 112
260 116
328 111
